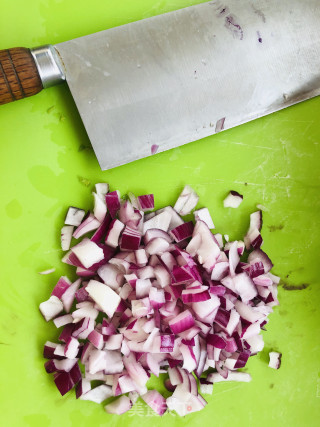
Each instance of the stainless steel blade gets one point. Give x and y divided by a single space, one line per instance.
181 76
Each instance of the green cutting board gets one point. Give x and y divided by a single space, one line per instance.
46 164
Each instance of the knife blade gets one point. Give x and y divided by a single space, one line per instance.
171 79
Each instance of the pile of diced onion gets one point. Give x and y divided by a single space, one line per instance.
156 294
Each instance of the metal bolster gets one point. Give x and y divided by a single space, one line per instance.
49 64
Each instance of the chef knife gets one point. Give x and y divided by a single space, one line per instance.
168 80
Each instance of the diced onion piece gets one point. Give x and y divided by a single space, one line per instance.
204 215
187 201
104 296
113 234
88 252
206 387
157 246
233 376
146 202
183 231
62 285
119 406
89 224
175 217
156 401
51 308
98 394
69 295
160 221
96 339
100 207
82 387
141 257
275 359
113 202
182 322
130 239
233 200
71 348
66 237
74 216
102 189
63 320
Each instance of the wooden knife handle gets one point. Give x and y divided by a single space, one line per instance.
19 76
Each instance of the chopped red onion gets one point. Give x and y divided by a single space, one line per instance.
160 221
233 376
257 256
157 297
113 203
96 339
102 188
168 385
90 223
113 233
141 258
146 202
157 246
113 342
220 270
130 239
156 401
83 328
71 348
119 406
233 200
82 387
153 233
88 252
104 296
204 215
74 216
101 231
244 287
55 365
65 381
275 359
206 387
182 232
69 295
98 394
62 285
100 207
187 201
216 341
51 308
171 298
167 343
195 295
182 322
66 237
63 320
175 217
162 275
111 275
48 350
204 246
